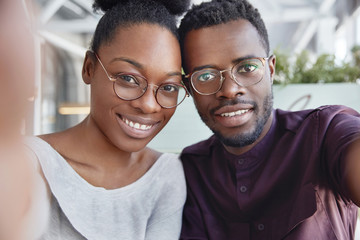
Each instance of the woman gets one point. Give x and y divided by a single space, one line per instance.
105 183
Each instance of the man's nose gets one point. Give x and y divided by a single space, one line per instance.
230 88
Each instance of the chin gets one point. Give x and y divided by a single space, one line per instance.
239 140
131 148
132 145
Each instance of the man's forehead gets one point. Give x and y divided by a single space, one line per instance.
228 41
222 36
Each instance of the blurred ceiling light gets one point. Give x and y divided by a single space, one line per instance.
74 109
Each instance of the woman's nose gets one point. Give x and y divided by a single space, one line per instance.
147 102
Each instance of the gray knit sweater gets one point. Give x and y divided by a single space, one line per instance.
149 208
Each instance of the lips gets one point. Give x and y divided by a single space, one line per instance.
231 114
136 127
234 115
233 110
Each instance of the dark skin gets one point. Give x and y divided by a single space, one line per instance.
228 42
239 39
353 170
103 149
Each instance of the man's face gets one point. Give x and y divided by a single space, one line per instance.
239 116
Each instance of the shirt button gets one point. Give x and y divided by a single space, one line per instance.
243 189
241 161
261 227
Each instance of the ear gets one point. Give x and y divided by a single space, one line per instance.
272 64
88 67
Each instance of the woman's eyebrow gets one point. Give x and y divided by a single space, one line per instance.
174 74
128 60
140 66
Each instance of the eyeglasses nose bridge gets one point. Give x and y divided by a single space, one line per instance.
226 70
155 88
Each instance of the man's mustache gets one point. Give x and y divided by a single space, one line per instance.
234 101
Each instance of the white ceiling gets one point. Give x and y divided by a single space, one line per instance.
291 23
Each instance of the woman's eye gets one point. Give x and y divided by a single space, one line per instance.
127 78
170 88
204 77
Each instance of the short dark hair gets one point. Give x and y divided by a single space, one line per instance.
222 11
125 13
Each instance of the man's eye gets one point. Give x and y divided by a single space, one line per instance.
204 77
247 68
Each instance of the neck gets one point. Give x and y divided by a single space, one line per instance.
96 149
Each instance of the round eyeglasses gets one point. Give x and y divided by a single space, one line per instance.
130 86
245 73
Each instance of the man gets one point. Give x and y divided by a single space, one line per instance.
264 174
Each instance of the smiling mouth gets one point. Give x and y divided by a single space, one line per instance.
136 125
236 113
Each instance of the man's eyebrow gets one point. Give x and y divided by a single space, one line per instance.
203 67
237 60
128 60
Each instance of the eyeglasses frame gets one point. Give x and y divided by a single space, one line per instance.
112 79
222 78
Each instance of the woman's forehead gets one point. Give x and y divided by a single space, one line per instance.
145 43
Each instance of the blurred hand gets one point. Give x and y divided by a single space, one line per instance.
16 86
17 67
16 183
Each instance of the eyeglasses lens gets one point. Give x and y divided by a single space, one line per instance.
246 73
168 95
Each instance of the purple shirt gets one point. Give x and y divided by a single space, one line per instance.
289 186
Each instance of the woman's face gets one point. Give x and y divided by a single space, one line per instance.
145 50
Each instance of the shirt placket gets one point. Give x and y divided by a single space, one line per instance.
244 186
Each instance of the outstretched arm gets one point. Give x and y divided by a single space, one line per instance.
352 172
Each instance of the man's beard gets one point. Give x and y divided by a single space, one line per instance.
245 139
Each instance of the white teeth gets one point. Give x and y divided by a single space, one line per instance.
144 127
136 125
231 114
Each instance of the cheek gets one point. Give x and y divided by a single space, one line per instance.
102 94
202 103
262 93
103 106
168 113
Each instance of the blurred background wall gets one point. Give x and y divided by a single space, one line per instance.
316 27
